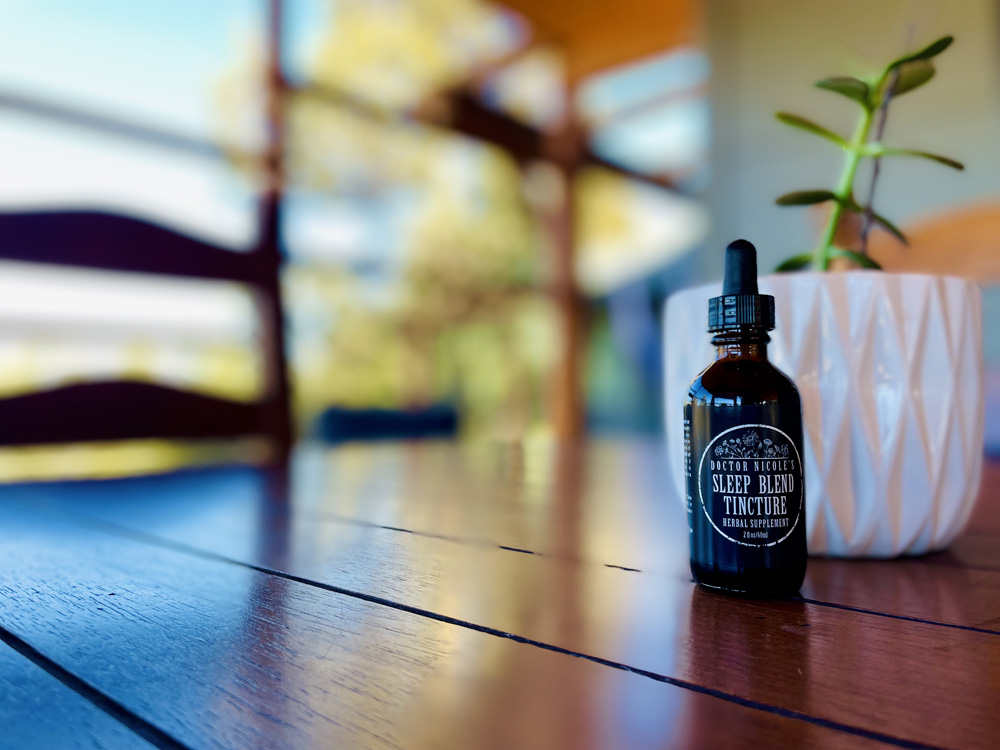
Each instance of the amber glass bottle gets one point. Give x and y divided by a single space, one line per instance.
743 440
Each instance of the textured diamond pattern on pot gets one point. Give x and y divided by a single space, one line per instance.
865 444
936 376
865 482
888 371
917 497
833 367
970 373
951 482
816 525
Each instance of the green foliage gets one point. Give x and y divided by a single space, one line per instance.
795 263
912 76
890 227
850 87
809 126
922 154
806 198
931 50
873 95
862 260
459 311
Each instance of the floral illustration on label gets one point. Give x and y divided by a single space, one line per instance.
750 446
750 484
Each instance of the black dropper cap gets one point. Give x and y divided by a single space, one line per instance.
740 306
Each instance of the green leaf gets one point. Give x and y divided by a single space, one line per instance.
795 263
805 198
890 228
808 125
852 88
851 205
913 75
922 154
862 260
931 50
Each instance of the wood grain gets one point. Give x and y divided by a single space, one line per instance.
860 668
920 588
38 711
971 551
604 508
217 655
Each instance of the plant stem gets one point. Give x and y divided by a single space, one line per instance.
844 191
883 115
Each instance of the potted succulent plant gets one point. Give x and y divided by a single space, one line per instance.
889 366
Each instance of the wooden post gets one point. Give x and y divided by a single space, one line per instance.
564 147
279 423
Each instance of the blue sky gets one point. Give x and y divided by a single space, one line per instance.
161 62
150 62
154 61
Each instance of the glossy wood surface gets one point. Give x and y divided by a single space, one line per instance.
443 595
39 711
221 655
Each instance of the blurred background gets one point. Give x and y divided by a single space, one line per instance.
353 219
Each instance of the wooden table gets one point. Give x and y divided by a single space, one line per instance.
457 596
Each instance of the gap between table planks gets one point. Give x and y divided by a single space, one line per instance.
407 551
634 532
214 654
40 709
843 667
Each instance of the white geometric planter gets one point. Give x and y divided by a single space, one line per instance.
890 370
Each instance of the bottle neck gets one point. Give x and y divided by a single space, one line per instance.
745 344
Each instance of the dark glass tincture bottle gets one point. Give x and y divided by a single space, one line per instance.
743 440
